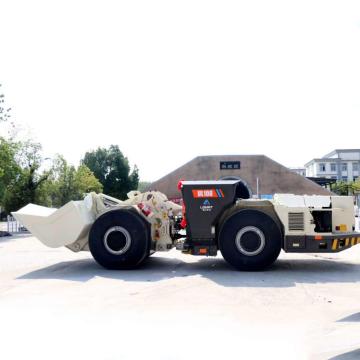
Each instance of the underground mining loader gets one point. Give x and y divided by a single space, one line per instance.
249 233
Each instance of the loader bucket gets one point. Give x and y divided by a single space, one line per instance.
57 227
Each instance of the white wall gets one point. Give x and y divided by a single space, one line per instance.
346 157
350 155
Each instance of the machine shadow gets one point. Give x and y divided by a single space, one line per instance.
284 273
14 236
351 355
351 318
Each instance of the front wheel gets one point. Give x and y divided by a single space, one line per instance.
250 240
120 239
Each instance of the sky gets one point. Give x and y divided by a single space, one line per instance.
170 80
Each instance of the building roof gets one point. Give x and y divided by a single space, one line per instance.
273 177
328 158
340 150
322 181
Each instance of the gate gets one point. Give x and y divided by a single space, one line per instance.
13 226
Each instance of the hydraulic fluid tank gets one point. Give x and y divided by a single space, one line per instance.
205 201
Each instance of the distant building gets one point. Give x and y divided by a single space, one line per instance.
260 176
301 171
340 164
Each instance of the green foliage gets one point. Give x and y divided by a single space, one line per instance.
85 180
346 188
9 169
67 183
20 192
19 167
62 179
22 188
22 179
113 171
28 154
356 186
51 188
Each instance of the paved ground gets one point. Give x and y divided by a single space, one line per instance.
60 305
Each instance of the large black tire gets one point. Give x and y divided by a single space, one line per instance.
120 239
250 240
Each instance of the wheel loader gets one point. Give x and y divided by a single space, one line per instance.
249 233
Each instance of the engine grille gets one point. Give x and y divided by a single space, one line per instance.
296 221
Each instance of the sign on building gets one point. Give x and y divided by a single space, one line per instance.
229 165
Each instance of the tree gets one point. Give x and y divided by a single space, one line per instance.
23 182
113 171
346 188
85 181
9 169
356 187
22 189
67 183
59 188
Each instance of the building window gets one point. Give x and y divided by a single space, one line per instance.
344 178
333 167
344 167
355 178
355 166
322 167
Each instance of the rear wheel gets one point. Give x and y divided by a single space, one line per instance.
120 239
250 240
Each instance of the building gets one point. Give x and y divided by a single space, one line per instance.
301 171
260 176
340 164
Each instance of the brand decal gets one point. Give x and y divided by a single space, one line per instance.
206 206
207 193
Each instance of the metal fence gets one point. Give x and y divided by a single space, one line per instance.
14 226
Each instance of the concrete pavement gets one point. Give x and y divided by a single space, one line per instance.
58 304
